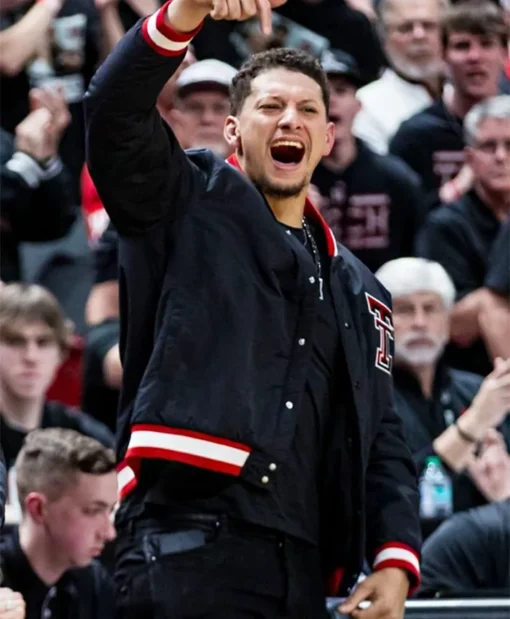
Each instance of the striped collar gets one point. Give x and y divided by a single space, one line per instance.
310 211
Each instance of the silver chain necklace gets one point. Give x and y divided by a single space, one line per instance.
316 256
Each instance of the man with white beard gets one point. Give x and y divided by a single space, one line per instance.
410 30
445 412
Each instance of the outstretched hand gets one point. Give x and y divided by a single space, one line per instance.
240 10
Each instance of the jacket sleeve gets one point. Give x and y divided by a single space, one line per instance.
393 525
392 500
138 167
37 203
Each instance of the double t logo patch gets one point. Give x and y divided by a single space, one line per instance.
383 324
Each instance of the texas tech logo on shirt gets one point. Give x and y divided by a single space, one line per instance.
383 324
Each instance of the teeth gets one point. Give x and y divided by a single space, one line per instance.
288 143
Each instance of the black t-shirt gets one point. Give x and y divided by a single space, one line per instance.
82 593
460 237
374 207
497 278
432 144
55 415
72 58
469 553
424 419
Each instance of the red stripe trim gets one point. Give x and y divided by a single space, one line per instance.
160 50
179 456
169 32
144 427
313 213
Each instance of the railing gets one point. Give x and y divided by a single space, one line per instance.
490 608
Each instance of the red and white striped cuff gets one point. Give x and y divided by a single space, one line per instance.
163 38
396 554
195 448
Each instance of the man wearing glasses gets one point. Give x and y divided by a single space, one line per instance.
461 235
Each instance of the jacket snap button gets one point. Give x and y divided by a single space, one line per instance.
289 405
347 325
301 341
272 466
311 280
357 384
265 479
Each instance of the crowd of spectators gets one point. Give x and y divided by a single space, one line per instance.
417 186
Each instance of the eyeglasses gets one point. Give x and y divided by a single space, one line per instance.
491 147
407 27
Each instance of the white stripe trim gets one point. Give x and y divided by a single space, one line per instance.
189 445
400 554
124 477
27 167
160 39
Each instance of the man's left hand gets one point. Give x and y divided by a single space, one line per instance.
387 591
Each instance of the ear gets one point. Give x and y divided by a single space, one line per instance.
35 504
330 139
231 132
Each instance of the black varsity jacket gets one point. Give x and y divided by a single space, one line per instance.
217 313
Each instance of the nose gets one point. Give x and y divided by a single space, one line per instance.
290 118
474 51
418 30
30 351
109 533
502 152
208 116
419 319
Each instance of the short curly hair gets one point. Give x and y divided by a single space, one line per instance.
295 60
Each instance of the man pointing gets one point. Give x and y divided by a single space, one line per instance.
261 460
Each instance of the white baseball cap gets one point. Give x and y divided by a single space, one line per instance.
205 72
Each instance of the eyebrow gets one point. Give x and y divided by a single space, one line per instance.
280 98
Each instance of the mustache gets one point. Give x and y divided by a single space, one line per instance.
414 337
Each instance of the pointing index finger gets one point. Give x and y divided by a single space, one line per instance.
265 16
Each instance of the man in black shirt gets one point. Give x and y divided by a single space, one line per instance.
460 235
373 203
469 554
242 470
68 489
475 39
495 323
445 412
33 341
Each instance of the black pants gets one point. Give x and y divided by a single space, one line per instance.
199 566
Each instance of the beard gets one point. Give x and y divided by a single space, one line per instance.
424 354
275 190
417 72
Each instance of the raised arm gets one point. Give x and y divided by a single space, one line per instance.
140 171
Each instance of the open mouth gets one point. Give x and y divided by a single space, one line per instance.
287 152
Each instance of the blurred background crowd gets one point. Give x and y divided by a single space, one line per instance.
417 187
